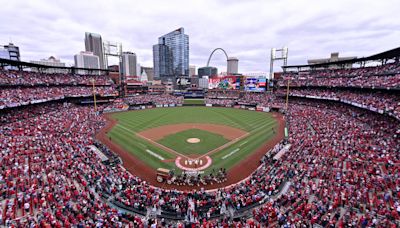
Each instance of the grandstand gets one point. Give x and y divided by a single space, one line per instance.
338 167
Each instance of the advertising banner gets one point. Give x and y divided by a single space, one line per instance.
253 84
227 82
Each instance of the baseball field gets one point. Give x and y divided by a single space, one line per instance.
174 138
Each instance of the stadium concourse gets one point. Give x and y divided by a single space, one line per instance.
342 168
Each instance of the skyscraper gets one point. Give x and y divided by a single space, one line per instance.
162 59
94 43
129 64
173 46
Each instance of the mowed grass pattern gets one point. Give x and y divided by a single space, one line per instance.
259 124
208 141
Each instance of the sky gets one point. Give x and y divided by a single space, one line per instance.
245 29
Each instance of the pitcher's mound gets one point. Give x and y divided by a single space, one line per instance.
193 140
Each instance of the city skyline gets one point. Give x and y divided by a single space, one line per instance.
246 30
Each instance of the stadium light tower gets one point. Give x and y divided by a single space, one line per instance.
277 54
114 49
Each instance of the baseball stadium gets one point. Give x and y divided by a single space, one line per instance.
314 142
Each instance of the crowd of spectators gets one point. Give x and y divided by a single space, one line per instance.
161 99
26 87
342 168
28 78
223 94
347 169
11 97
220 102
375 100
385 76
243 98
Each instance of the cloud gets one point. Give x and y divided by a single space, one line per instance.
245 29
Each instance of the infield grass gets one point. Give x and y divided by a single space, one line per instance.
208 141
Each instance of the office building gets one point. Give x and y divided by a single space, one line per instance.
86 59
173 46
94 43
129 64
233 65
207 71
51 61
162 60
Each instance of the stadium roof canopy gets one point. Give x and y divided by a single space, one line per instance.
383 56
21 65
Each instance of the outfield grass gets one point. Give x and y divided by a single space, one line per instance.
259 124
208 141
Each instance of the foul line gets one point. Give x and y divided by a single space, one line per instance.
162 146
232 142
231 153
153 142
154 154
206 154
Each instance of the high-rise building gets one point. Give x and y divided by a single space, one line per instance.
86 59
207 71
51 61
192 70
129 64
174 46
94 43
233 65
162 59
